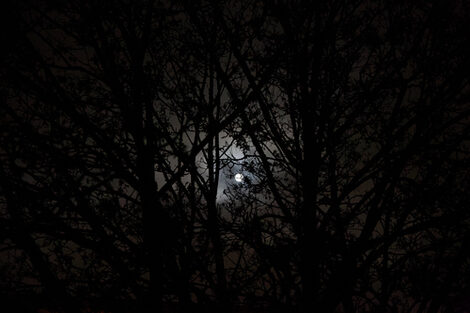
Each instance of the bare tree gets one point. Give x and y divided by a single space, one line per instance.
350 127
368 100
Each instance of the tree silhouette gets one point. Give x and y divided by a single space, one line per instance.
123 124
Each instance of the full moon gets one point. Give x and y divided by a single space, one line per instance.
239 177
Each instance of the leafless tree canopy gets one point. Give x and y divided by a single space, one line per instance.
123 124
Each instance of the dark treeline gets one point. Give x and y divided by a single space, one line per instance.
124 122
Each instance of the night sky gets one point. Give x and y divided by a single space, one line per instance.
235 156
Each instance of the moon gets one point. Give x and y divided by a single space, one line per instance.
239 177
